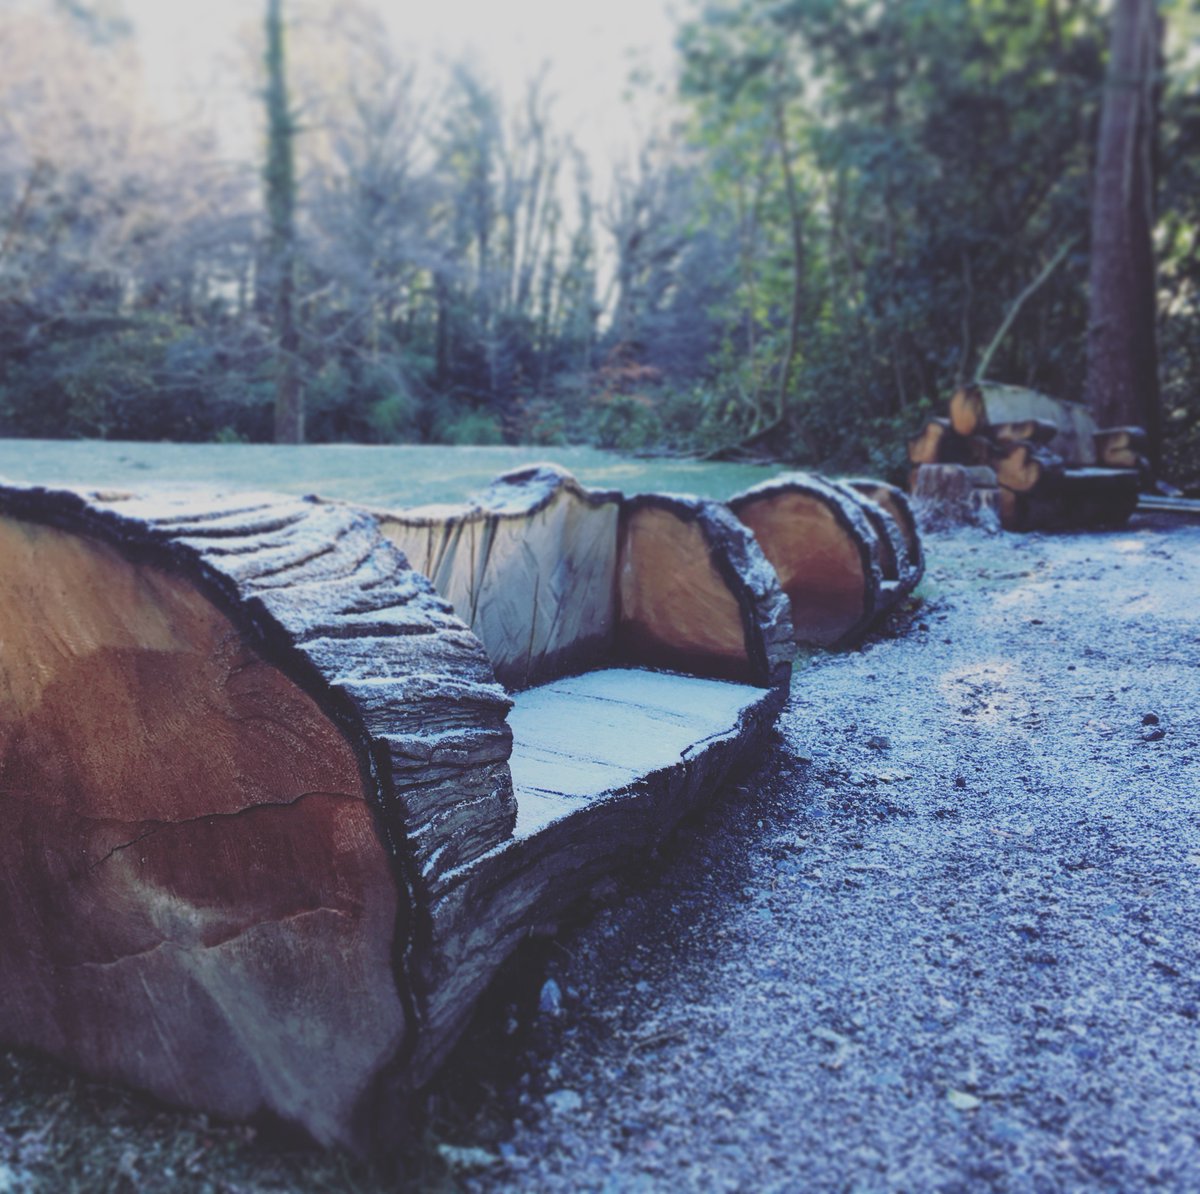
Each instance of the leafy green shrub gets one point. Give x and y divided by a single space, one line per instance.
471 427
628 423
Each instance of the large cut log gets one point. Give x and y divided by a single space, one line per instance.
692 583
264 847
528 564
911 558
1073 498
1023 467
939 443
212 721
605 763
825 551
1121 447
930 444
976 408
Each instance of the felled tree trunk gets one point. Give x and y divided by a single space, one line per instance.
267 832
210 751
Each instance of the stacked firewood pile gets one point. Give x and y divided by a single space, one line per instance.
1036 461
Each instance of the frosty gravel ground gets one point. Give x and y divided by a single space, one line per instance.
945 938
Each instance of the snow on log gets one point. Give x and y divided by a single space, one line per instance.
824 550
604 765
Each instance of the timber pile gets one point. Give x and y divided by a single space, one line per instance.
272 823
845 552
1038 461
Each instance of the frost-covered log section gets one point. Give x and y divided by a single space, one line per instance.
603 763
910 561
238 741
697 594
842 557
528 564
264 850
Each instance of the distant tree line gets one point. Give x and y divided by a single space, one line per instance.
854 201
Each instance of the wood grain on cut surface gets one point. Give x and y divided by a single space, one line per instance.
190 861
677 609
529 565
276 740
820 544
581 737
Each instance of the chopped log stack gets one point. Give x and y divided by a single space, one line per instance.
1048 466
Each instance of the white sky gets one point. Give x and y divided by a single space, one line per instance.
191 48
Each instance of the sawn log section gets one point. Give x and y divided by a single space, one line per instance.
845 551
267 833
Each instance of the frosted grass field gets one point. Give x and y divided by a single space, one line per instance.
405 475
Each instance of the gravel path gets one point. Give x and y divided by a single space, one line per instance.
945 938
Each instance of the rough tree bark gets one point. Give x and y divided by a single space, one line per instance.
1122 369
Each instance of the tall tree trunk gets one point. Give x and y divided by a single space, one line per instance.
279 177
796 221
1122 362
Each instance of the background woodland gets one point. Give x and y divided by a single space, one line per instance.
845 206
